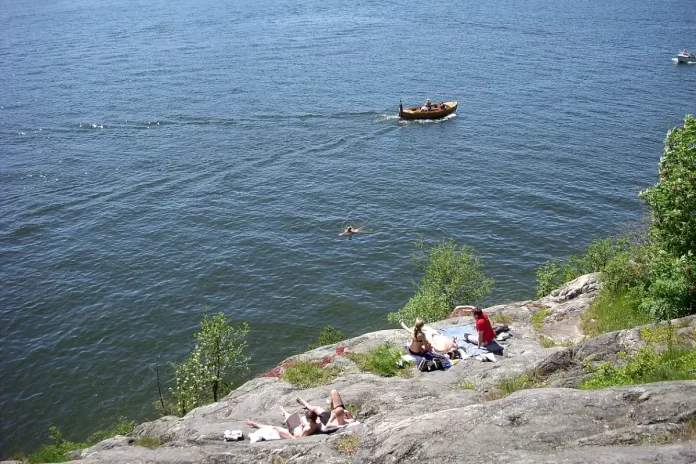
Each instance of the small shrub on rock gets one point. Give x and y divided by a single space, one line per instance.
306 374
328 336
453 275
538 319
381 361
149 442
645 366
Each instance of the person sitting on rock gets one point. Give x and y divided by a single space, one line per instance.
424 340
310 427
338 415
486 334
418 345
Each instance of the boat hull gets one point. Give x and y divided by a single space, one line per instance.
686 58
439 110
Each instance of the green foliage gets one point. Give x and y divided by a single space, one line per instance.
381 361
453 275
509 385
328 336
538 319
466 386
149 442
552 275
217 354
673 199
306 374
671 291
56 451
501 318
598 256
612 311
645 366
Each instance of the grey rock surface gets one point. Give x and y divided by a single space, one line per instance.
436 417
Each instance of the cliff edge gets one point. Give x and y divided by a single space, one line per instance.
457 415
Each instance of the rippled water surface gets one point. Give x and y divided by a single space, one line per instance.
164 160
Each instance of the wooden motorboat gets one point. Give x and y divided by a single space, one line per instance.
437 110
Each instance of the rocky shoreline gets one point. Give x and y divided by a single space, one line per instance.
452 416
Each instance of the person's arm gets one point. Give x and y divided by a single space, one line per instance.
480 338
465 308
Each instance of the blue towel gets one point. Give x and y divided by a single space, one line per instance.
460 332
430 356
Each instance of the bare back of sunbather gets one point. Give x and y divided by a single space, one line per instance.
439 342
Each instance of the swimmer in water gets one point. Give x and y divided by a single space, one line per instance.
350 230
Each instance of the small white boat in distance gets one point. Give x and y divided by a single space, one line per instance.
685 57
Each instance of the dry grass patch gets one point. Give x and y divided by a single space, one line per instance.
347 445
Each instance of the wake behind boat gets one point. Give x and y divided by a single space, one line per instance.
685 57
428 110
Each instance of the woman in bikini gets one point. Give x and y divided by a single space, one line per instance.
338 415
418 344
308 427
427 340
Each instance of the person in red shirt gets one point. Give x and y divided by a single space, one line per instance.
486 334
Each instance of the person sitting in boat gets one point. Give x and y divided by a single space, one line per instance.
427 105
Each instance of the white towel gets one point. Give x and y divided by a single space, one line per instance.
264 434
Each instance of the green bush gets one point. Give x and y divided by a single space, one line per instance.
453 275
612 311
552 275
597 258
217 354
671 290
381 361
328 336
56 451
306 374
645 366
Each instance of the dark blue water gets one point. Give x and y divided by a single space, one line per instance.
160 161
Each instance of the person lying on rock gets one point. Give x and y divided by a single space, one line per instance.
310 427
423 341
486 334
338 415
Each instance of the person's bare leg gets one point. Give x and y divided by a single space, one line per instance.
316 409
335 399
338 417
253 424
284 433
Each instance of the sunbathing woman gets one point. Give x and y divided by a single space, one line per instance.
418 345
423 340
338 415
309 428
